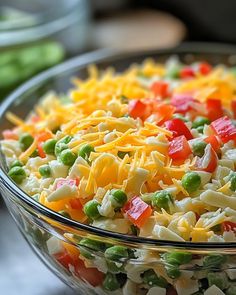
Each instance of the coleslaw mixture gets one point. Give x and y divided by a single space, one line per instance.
148 152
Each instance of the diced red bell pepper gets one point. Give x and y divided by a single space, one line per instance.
178 127
224 128
160 89
137 211
208 162
214 142
91 275
64 259
233 106
187 72
164 112
214 109
9 134
41 151
229 226
179 148
75 204
182 102
139 109
70 182
204 68
43 136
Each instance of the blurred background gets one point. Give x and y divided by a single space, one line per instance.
35 35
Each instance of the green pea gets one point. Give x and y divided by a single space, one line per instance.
16 163
150 278
173 72
121 155
116 253
114 267
233 183
214 260
118 198
62 145
88 246
34 154
85 151
173 272
67 157
200 121
110 282
219 279
25 141
91 209
199 148
200 129
65 214
231 290
177 258
45 171
17 174
181 117
191 181
49 146
161 199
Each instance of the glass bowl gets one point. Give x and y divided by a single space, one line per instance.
35 35
146 266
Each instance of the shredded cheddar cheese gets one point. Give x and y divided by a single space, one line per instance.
155 138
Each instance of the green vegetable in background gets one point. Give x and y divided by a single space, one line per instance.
20 64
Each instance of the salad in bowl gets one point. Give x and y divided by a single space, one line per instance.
148 154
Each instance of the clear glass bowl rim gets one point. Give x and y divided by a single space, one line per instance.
45 25
81 62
